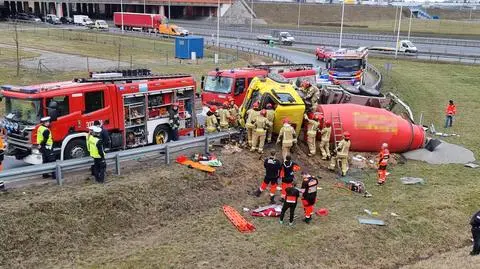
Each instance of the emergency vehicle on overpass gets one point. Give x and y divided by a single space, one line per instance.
344 66
219 85
132 105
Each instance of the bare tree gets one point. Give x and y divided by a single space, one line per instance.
17 47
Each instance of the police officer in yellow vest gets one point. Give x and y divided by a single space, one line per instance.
288 137
270 118
312 129
252 114
325 141
261 123
97 152
342 154
45 143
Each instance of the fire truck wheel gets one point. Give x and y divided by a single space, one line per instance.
161 134
76 148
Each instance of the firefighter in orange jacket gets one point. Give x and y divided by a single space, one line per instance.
383 157
450 114
309 197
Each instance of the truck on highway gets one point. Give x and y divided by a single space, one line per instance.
344 66
133 106
172 30
283 38
147 23
82 20
99 25
404 46
219 85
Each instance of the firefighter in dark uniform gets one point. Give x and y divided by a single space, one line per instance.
290 202
174 121
272 172
475 222
309 197
45 143
97 152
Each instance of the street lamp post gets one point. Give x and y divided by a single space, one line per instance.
251 18
218 24
121 11
169 4
144 6
410 25
396 17
398 33
298 18
341 25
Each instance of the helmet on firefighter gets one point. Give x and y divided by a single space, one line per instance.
317 117
230 99
286 120
213 109
328 123
384 145
269 106
226 104
256 104
346 135
263 112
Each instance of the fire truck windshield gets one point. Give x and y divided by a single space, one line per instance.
347 64
218 84
23 110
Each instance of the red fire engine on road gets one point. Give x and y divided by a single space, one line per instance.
133 107
219 85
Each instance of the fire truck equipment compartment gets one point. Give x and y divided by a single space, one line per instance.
185 45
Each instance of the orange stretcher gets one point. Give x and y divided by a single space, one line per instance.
238 220
185 161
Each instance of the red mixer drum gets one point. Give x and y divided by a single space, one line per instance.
370 127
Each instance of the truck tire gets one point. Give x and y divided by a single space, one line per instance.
77 148
161 134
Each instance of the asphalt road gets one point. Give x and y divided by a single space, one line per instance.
325 41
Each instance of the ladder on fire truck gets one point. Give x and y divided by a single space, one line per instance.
126 76
272 67
337 128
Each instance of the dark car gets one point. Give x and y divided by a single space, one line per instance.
66 20
22 16
34 18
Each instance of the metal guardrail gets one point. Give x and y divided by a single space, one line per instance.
378 84
114 158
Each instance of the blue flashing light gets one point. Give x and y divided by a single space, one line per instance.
29 90
7 87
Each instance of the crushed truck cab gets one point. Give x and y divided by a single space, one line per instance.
276 90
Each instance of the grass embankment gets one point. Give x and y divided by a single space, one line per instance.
319 17
159 217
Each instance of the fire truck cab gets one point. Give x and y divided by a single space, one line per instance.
133 107
219 85
347 66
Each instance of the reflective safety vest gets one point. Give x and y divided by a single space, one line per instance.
252 115
451 110
224 115
92 147
291 199
312 186
343 148
384 155
287 133
326 131
270 115
261 123
312 128
211 123
233 111
40 137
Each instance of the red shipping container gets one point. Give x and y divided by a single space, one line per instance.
140 20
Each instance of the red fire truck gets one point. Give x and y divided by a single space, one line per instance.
132 105
219 85
344 66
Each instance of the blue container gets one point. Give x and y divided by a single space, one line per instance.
185 45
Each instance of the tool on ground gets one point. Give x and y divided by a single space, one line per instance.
238 220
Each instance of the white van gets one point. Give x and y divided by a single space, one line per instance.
83 20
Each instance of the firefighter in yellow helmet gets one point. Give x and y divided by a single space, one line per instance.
252 114
342 154
312 129
211 121
270 118
325 140
224 115
288 137
261 124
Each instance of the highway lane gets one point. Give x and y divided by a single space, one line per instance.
427 48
